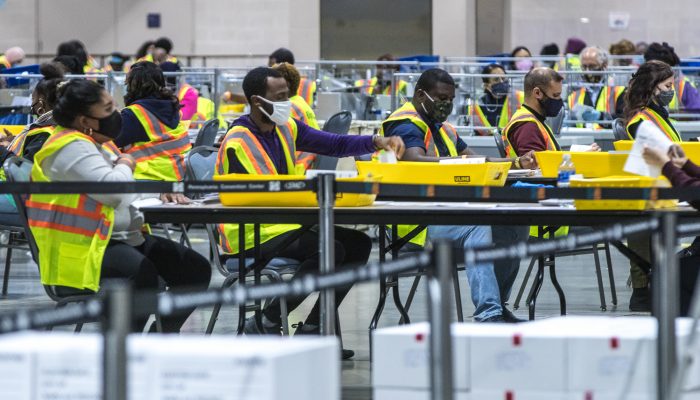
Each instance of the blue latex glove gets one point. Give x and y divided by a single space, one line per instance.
590 115
530 185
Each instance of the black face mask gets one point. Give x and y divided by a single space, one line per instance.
111 125
590 78
551 106
439 111
500 89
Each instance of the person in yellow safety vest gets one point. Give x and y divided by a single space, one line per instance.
422 124
381 83
527 130
498 104
686 96
649 92
264 142
307 87
605 104
84 240
28 142
151 130
12 57
161 51
301 111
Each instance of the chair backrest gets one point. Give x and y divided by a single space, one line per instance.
200 163
207 133
619 129
338 123
499 143
18 169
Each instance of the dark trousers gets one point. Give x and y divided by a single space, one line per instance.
351 248
180 267
689 268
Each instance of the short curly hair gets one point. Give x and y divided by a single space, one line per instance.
290 74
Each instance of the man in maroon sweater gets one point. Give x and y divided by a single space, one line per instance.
527 129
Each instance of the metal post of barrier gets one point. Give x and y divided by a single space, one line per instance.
215 91
665 280
326 244
394 91
439 291
115 329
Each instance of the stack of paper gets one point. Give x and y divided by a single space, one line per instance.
651 136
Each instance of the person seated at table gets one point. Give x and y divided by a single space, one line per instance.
421 123
265 142
527 130
685 95
605 102
381 82
649 92
301 111
151 131
28 142
499 102
682 173
86 239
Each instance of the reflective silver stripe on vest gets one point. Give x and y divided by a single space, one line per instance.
161 148
70 220
289 142
259 158
157 126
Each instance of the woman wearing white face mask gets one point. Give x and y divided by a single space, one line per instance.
648 94
264 142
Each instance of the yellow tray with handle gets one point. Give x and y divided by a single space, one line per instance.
427 173
13 129
691 149
622 182
290 199
593 164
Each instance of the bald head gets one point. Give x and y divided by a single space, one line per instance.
542 78
594 58
14 55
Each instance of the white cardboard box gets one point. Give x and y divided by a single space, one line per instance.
64 366
413 394
517 358
401 359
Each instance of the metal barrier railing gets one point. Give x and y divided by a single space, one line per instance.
116 311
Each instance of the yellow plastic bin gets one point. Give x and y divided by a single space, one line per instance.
425 173
13 129
622 182
691 149
290 199
589 164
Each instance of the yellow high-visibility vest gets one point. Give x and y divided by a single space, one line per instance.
253 157
71 230
162 158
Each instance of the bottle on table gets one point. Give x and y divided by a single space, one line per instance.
566 170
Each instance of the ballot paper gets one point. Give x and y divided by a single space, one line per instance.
580 147
651 136
471 160
312 173
387 157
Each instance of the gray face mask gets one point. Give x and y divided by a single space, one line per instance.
665 97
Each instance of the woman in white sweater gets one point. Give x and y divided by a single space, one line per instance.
87 118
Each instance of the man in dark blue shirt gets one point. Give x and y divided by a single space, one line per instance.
428 138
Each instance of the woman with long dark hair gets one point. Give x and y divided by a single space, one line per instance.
85 239
151 130
648 94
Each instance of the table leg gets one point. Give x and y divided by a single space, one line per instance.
256 277
241 276
395 280
382 282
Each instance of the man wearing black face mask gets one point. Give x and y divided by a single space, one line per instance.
422 125
497 105
527 130
605 102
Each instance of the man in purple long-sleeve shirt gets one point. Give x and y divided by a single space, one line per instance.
259 143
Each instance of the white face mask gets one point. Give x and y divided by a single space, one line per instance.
281 111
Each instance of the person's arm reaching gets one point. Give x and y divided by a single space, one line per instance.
330 144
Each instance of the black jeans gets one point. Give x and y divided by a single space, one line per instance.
157 258
352 248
